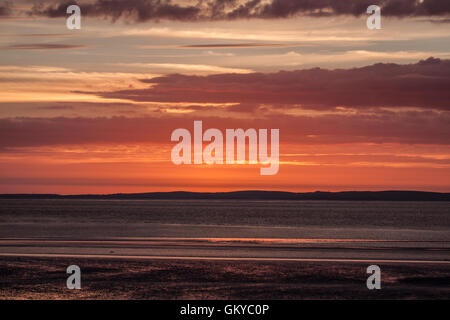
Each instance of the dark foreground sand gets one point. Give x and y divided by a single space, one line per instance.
45 278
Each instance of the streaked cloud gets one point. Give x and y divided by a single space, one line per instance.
44 46
253 35
235 45
405 127
185 68
36 83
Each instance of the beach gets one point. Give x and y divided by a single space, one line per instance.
224 249
45 278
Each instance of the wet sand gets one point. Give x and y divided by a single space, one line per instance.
223 268
238 249
108 278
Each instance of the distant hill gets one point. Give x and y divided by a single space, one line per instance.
253 195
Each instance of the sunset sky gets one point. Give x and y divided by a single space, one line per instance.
92 110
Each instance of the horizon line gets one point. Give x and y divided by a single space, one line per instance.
229 192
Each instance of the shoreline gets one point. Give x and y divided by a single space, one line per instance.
238 259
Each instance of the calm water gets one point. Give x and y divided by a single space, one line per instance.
211 218
410 231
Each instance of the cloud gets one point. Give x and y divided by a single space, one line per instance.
235 45
424 84
383 127
185 68
5 9
41 35
134 10
43 46
154 10
392 8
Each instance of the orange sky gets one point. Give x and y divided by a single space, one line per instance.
92 110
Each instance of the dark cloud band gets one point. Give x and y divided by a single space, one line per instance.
406 127
148 10
424 84
5 10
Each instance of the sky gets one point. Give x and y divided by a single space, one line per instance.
92 110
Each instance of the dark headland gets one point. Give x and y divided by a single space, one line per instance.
252 195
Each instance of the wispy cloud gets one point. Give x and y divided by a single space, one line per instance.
235 45
44 46
253 35
185 68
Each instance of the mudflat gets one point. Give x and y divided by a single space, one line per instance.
109 278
